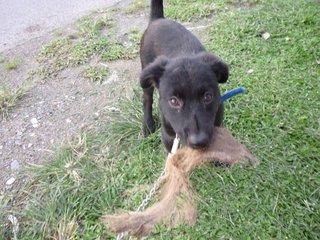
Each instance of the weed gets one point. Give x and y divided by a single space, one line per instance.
90 26
9 97
58 33
135 36
96 74
127 50
11 64
66 52
137 5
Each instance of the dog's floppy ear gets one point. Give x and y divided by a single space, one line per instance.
152 73
220 68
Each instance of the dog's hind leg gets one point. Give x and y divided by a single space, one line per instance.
149 125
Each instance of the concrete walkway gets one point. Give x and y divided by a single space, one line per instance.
23 20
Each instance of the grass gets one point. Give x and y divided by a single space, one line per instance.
90 26
137 5
11 64
189 10
118 50
86 177
10 97
95 73
95 38
278 119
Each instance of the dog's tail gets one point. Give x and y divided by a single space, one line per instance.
156 10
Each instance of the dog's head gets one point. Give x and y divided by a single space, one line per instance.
189 94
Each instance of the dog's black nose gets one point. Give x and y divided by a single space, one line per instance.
199 140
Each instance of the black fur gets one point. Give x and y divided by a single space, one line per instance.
174 61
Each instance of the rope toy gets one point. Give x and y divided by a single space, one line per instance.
177 202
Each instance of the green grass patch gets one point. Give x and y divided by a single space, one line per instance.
10 97
11 64
189 10
137 5
118 50
278 119
91 175
96 37
95 73
90 26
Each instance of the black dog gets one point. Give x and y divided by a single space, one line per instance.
174 61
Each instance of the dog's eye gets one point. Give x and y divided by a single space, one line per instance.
207 98
175 102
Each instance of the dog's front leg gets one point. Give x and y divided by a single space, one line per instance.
149 125
167 133
219 116
167 139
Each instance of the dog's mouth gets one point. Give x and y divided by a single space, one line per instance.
198 141
198 147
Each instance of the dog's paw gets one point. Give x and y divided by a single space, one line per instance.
149 128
